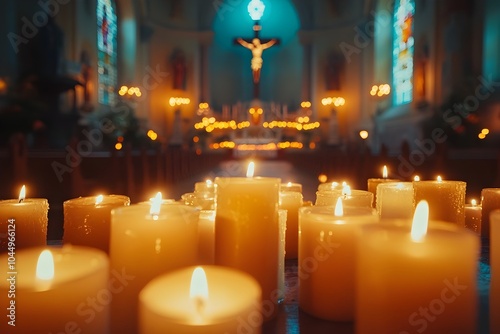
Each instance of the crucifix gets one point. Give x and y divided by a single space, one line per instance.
256 44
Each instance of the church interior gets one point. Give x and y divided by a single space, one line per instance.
138 96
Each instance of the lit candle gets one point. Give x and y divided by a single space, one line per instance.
291 201
445 197
148 240
495 272
247 230
327 259
56 290
374 182
87 220
203 200
208 300
490 200
24 221
417 277
473 216
291 186
334 185
204 187
350 198
395 200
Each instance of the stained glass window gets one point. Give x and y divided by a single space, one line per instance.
106 51
402 51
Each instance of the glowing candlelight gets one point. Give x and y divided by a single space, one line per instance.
250 169
420 221
22 194
45 266
384 172
339 208
156 205
99 199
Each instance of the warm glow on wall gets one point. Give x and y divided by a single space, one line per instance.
380 90
129 91
177 101
336 101
305 104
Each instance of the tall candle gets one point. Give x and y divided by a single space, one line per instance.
282 216
206 237
247 231
445 197
72 297
327 259
291 201
495 272
473 213
490 200
205 300
148 240
87 220
372 183
24 221
414 279
395 200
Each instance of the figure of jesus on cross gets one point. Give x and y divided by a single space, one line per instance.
256 47
256 44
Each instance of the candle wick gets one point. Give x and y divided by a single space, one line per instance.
200 305
21 200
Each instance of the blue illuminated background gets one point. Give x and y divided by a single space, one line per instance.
230 73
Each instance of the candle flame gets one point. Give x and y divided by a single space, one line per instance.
473 202
22 194
99 199
439 179
156 205
250 169
339 208
346 190
289 184
45 266
420 221
416 178
198 290
208 182
384 172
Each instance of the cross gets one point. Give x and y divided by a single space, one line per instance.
257 46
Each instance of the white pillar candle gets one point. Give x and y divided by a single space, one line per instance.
247 231
495 272
70 293
473 212
355 198
395 200
412 279
225 300
445 197
25 220
327 259
291 186
490 200
283 216
87 220
146 243
372 183
291 201
206 237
